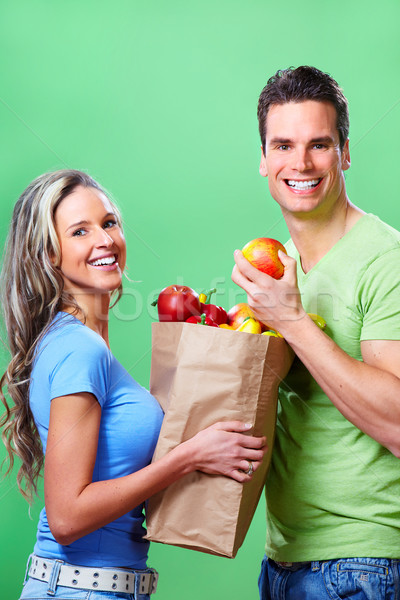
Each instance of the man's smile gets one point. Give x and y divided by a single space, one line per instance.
302 184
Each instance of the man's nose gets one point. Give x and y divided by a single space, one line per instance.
301 160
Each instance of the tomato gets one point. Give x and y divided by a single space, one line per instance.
178 303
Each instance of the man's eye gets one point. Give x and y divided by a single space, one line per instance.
319 146
283 147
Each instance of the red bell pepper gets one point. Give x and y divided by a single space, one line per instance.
216 313
202 320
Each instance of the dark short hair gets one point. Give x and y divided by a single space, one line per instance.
300 84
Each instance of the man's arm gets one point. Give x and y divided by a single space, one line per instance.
366 393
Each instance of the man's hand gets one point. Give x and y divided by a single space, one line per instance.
367 393
275 302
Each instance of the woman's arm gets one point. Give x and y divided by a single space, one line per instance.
76 505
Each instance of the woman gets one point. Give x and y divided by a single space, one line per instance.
75 405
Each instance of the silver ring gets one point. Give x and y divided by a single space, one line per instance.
250 470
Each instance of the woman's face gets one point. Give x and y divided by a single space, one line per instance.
93 249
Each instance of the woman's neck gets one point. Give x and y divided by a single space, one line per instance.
94 313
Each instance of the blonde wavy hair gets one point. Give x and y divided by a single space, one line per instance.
32 293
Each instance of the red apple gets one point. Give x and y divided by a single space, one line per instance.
262 253
177 303
238 313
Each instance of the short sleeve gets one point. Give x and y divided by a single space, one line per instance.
379 298
82 368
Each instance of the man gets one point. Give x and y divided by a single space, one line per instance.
333 490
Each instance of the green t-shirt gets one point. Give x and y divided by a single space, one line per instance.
332 491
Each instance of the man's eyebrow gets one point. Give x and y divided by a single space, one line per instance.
280 141
327 139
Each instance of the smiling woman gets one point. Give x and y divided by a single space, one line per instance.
92 248
75 405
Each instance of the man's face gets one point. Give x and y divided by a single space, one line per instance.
302 157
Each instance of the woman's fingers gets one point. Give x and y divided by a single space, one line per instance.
222 449
238 426
244 474
249 441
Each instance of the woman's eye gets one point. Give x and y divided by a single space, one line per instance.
109 223
78 233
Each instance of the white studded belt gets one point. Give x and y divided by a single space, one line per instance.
93 578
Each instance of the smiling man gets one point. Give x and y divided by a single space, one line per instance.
333 508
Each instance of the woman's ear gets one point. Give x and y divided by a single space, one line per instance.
53 259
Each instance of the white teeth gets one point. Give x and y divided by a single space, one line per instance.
104 261
303 185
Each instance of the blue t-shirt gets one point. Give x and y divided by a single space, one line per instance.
70 359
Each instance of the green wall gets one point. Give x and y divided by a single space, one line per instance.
158 101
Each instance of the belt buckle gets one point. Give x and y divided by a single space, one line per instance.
153 581
148 582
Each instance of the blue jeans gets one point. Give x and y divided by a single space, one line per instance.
34 589
347 578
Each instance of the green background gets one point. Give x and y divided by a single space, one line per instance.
157 100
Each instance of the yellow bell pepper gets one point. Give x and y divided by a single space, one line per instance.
318 320
273 333
250 325
203 298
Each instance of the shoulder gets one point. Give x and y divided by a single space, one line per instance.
67 338
375 236
72 358
377 246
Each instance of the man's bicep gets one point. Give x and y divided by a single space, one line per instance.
383 354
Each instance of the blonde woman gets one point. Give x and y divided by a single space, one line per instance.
75 406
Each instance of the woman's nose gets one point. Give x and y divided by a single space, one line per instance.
103 238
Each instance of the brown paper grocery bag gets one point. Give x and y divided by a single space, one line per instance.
201 375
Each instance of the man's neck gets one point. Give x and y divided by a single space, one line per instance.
315 236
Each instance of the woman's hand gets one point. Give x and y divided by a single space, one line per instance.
223 449
76 505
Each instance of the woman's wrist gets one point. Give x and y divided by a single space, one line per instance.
183 457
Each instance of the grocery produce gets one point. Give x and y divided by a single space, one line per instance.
318 320
250 325
202 320
182 303
262 253
177 303
272 333
238 313
216 313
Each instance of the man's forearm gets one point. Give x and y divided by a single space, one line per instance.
368 396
